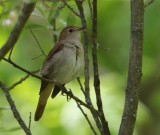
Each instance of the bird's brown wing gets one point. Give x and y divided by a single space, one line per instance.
56 49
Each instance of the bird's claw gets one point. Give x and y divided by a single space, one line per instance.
68 94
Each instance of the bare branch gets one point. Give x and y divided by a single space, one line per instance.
14 109
53 20
9 57
71 8
23 17
149 3
20 81
24 70
85 115
135 68
30 119
86 59
90 8
96 73
80 84
38 43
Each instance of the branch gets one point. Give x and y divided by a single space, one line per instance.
80 84
86 68
85 115
105 130
21 80
59 85
14 109
90 8
53 20
149 3
71 8
23 17
24 70
38 43
135 68
30 119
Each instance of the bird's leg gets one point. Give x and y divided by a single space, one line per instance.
67 93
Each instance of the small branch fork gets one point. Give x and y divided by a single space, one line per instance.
100 120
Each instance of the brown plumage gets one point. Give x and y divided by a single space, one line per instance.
63 64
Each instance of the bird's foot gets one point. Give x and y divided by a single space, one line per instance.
68 93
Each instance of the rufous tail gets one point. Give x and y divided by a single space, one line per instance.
42 101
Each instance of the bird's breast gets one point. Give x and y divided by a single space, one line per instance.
66 65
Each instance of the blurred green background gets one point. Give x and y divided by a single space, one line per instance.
62 117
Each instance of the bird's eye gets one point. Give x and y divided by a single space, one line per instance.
70 30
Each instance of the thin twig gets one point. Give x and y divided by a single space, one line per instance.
96 72
85 115
38 43
14 109
80 84
69 7
149 3
20 81
90 8
30 120
9 57
24 70
53 19
23 17
135 68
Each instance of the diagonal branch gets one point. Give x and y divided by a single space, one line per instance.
14 110
149 3
69 7
23 17
87 119
34 36
20 81
135 68
24 70
80 84
91 108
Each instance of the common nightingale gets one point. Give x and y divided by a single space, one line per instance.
64 63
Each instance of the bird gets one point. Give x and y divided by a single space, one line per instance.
64 63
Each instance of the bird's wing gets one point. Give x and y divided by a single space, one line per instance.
56 49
